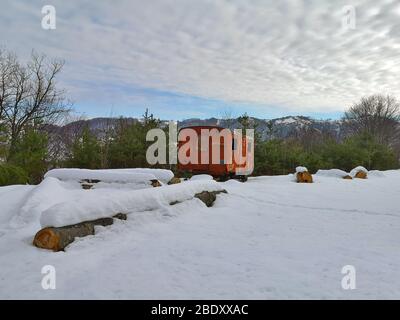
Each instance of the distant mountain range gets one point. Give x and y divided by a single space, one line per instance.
273 128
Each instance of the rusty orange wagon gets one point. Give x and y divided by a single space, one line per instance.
216 164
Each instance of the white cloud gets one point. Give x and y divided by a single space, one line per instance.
292 54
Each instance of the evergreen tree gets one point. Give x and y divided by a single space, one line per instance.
128 145
30 153
86 151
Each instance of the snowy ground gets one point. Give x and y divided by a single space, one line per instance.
267 238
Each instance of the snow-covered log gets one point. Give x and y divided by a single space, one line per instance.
359 173
333 173
208 197
57 239
92 207
303 176
94 176
175 180
90 178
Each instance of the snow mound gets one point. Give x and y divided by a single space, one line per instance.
357 169
301 169
12 198
203 177
332 173
49 192
376 173
90 206
102 175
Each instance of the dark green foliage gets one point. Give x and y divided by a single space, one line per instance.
29 153
128 145
282 156
10 174
86 151
276 157
3 141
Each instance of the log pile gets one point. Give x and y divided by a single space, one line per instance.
57 238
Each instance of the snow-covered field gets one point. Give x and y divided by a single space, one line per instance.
267 238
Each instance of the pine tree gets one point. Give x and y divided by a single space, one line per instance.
86 151
30 153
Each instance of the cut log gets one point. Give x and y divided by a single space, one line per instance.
348 177
155 183
208 197
86 186
175 180
304 177
361 175
90 181
57 239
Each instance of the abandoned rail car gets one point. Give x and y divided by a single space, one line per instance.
221 169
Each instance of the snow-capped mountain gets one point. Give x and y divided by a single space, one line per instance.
267 128
273 128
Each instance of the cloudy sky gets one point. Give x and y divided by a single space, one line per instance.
200 58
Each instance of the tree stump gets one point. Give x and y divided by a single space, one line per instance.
304 177
361 175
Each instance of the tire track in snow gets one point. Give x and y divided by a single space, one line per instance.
294 206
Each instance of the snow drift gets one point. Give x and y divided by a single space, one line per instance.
332 173
199 177
358 169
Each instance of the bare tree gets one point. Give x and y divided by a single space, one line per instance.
310 138
28 93
62 137
228 119
376 115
